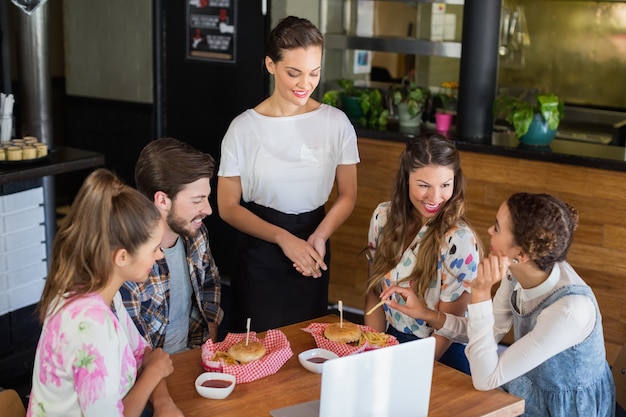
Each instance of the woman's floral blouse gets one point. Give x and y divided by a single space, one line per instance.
86 360
456 268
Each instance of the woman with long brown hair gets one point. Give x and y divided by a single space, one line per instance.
422 240
89 351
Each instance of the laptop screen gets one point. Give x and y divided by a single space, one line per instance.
391 381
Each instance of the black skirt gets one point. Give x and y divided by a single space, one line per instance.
266 286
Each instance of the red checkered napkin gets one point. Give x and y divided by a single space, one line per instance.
278 352
343 349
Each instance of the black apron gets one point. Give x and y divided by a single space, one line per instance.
266 286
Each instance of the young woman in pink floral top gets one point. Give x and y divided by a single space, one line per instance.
90 353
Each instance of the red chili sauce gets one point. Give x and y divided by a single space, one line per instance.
317 359
216 383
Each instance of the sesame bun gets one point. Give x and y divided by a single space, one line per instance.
247 353
350 332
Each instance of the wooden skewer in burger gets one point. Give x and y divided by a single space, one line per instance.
247 350
342 332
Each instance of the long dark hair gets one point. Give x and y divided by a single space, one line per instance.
402 218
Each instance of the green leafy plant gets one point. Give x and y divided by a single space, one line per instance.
410 93
519 112
333 97
370 101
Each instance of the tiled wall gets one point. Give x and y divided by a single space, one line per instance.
23 264
23 268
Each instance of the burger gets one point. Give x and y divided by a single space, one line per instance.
348 333
249 352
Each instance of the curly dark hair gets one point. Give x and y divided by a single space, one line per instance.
543 226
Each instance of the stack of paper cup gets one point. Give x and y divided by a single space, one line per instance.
6 116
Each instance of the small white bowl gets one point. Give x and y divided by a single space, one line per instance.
215 393
307 357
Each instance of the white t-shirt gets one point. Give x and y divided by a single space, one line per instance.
288 163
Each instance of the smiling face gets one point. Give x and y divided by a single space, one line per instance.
297 75
189 207
429 189
502 243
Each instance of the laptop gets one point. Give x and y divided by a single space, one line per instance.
392 381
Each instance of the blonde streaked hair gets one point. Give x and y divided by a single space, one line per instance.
106 216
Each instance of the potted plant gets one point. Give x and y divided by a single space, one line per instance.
363 105
534 121
409 99
444 104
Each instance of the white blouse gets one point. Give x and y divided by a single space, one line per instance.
288 163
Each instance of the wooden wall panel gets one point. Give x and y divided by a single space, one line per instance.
597 252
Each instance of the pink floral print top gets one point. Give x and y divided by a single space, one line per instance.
86 360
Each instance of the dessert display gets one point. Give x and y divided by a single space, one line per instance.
27 149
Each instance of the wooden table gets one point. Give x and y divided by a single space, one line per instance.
452 393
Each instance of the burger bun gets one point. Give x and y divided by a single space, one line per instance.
347 333
247 353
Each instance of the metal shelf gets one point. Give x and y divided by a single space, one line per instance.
394 44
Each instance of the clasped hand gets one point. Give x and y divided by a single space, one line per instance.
307 256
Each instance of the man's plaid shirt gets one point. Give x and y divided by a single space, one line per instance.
147 303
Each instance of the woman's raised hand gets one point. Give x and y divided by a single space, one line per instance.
412 307
491 270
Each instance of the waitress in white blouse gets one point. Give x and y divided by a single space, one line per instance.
278 166
557 363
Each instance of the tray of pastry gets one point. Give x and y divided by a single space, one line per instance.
27 150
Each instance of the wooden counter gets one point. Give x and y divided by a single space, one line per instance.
599 244
452 393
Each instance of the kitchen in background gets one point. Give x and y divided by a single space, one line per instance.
574 49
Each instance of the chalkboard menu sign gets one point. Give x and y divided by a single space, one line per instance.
212 30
